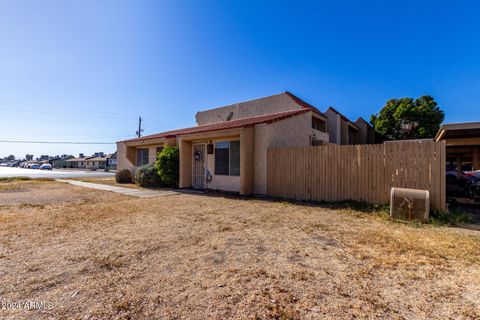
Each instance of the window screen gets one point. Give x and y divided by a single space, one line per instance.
222 157
234 158
142 157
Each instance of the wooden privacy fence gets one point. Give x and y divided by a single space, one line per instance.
357 172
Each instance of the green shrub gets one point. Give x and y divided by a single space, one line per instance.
453 217
147 177
123 176
167 165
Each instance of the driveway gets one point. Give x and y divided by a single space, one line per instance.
7 172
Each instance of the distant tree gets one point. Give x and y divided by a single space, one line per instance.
10 158
29 157
408 118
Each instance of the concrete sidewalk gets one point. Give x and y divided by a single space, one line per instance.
126 191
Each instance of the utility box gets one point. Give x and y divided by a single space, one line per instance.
409 204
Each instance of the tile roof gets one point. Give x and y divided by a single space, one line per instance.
233 124
76 159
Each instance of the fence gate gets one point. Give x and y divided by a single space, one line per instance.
357 172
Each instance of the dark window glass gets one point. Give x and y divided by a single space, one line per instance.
222 155
319 124
234 158
142 157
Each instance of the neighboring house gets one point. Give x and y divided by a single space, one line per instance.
112 161
462 145
227 150
60 161
97 161
343 131
367 134
80 162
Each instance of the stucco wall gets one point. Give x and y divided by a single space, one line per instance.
366 134
122 160
333 126
127 152
277 103
221 182
343 132
291 132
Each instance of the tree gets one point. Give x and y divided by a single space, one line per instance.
10 158
29 157
167 165
408 118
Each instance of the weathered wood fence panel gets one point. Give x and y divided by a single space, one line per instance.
357 172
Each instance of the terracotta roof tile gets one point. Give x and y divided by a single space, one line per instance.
233 124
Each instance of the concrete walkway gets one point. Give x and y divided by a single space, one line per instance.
127 191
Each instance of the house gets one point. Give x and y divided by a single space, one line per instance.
462 145
98 160
79 162
60 161
227 150
343 131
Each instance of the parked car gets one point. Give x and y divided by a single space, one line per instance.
472 185
34 166
452 177
46 166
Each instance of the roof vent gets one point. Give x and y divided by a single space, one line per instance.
409 204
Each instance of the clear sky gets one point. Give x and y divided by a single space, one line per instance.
84 70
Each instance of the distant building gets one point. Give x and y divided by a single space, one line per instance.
60 161
97 161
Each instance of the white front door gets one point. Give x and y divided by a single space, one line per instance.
199 171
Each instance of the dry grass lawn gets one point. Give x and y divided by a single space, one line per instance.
95 255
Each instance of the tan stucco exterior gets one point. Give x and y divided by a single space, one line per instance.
343 131
276 103
305 126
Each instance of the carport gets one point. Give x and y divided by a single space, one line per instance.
463 145
462 142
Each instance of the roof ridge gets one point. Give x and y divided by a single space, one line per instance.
244 101
237 123
302 103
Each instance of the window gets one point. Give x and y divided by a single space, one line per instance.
142 157
227 158
319 124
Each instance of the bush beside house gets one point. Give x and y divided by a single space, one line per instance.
147 177
123 176
167 165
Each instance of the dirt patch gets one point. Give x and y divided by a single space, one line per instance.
94 254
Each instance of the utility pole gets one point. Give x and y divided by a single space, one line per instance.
140 130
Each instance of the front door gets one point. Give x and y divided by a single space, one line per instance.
198 172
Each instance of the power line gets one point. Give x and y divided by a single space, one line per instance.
62 120
59 107
93 114
53 142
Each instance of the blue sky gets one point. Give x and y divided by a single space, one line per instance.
84 70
